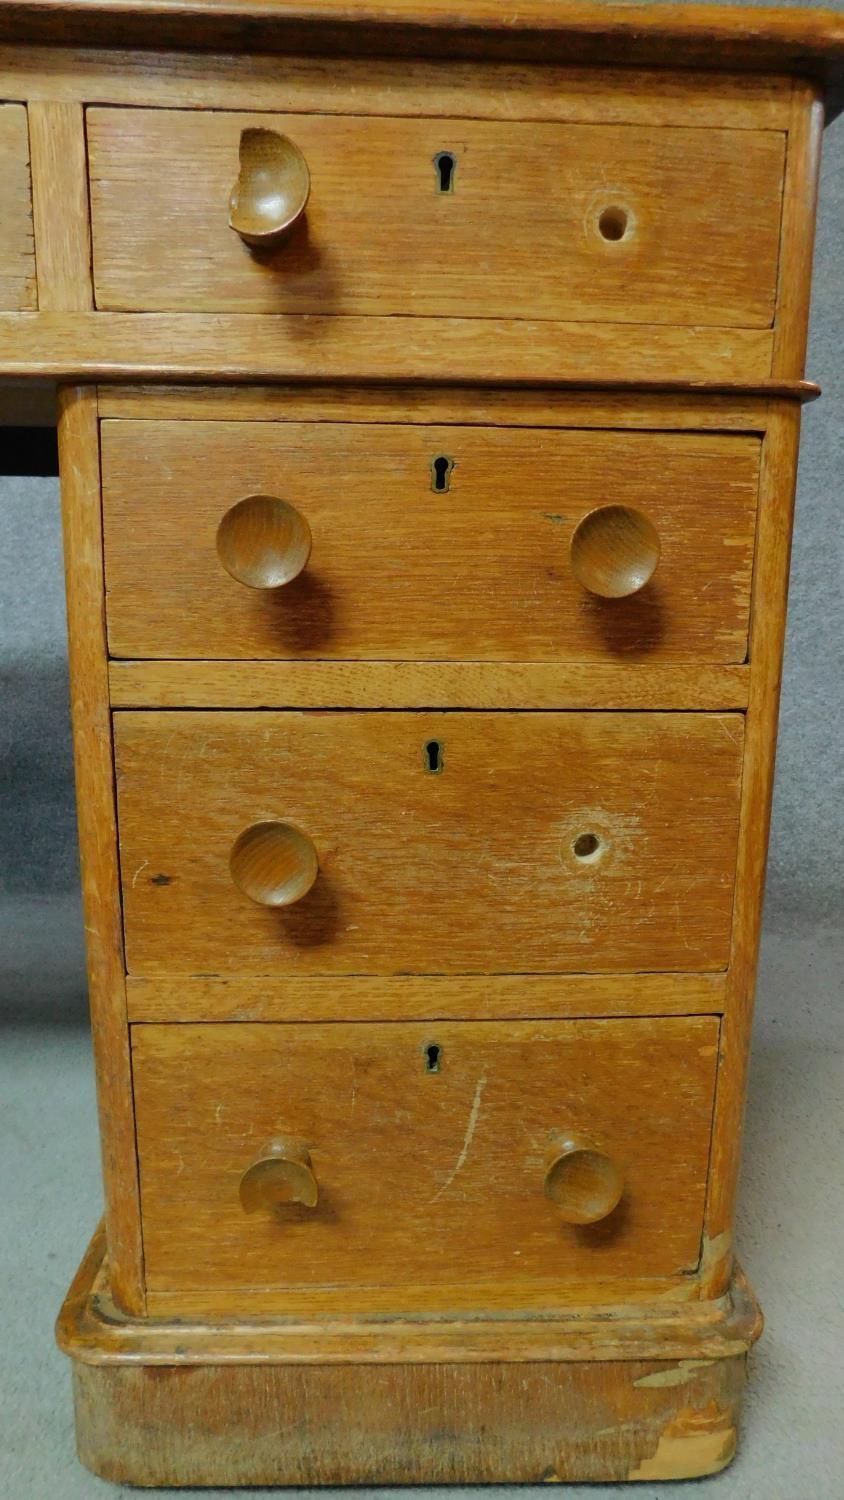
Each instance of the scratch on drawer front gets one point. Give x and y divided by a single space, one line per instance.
138 871
467 1139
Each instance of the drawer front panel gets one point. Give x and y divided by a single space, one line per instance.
428 1183
576 222
17 248
446 842
428 542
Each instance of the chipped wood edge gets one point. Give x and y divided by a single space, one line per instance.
92 1330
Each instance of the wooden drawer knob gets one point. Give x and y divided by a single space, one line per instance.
272 188
263 542
614 551
273 863
584 1184
282 1174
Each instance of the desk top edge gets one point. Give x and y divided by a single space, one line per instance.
804 42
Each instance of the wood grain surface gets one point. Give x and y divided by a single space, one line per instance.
490 997
397 569
702 214
470 870
17 248
94 770
430 1182
377 86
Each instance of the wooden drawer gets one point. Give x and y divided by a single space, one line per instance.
429 542
518 235
17 249
446 842
431 1184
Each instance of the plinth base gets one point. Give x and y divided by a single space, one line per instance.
647 1393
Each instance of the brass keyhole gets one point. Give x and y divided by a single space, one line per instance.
445 165
433 757
441 468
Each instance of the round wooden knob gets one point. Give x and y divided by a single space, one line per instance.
584 1184
263 542
272 188
282 1174
273 863
614 551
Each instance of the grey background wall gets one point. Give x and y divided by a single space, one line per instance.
790 1229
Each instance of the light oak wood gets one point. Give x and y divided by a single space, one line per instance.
491 568
62 229
800 195
537 192
778 481
420 404
475 1209
17 250
375 86
263 542
669 1326
273 863
584 1184
491 997
614 551
79 461
786 40
173 346
529 685
473 870
282 1173
271 190
644 1389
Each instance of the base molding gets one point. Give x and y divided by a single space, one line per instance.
650 1393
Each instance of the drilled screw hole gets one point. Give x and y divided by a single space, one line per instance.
613 223
445 165
586 844
433 756
432 1057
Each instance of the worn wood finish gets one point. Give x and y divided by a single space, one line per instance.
149 1392
79 462
800 196
428 542
478 1121
471 870
672 1326
17 251
180 346
778 482
373 684
492 997
62 231
543 406
375 86
698 246
788 40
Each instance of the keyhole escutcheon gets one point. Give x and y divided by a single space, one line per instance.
432 757
445 166
441 468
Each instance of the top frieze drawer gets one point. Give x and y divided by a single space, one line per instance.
435 217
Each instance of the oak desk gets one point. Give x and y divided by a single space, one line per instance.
429 387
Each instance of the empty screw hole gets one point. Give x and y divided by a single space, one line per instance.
432 1057
613 223
586 844
433 754
445 164
441 468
